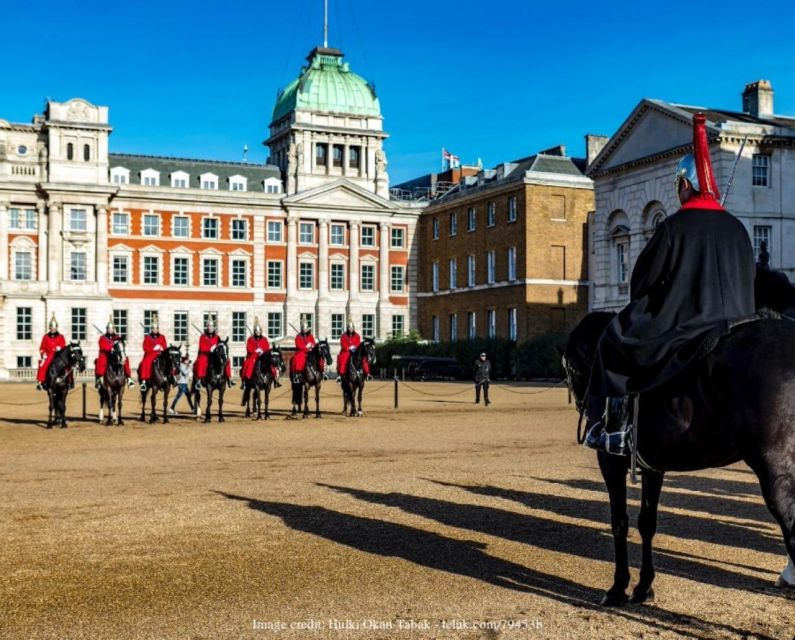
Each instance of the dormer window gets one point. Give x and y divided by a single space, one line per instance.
272 185
208 181
150 178
179 180
120 175
237 183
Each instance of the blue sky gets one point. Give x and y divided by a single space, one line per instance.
493 80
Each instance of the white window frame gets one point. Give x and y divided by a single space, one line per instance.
306 226
238 183
268 274
471 274
271 318
491 323
181 334
491 267
511 264
246 266
238 331
272 185
127 268
512 209
15 265
217 235
337 325
339 227
114 230
368 325
174 226
332 266
435 328
119 175
472 325
302 264
20 245
401 238
371 240
72 254
244 221
17 214
453 319
453 267
512 323
398 319
760 170
371 267
275 223
159 262
435 277
622 261
397 274
491 214
180 180
24 323
760 233
208 181
218 275
471 219
453 223
149 216
72 212
181 255
435 228
150 178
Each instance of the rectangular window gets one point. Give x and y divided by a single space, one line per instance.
511 264
120 224
453 224
275 324
149 316
22 219
453 327
275 231
337 234
151 225
120 322
368 236
762 234
209 183
239 273
398 238
274 274
179 274
78 220
337 277
237 364
471 219
181 226
336 157
491 323
760 170
436 228
321 154
471 271
397 326
512 209
453 273
151 181
306 275
179 183
512 324
622 269
368 325
397 279
210 272
435 277
472 329
239 326
368 277
77 266
337 321
354 153
210 228
239 229
306 233
23 265
237 185
151 270
307 319
435 328
121 269
180 326
24 362
79 331
491 215
491 266
24 323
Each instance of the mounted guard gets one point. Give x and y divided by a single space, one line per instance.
107 342
51 343
208 342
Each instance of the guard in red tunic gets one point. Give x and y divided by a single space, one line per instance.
51 343
304 343
154 344
207 343
256 345
106 342
350 341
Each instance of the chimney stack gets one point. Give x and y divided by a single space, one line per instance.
758 99
593 146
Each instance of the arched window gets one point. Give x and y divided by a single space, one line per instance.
653 214
619 233
70 151
86 152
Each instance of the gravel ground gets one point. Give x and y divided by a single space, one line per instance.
442 519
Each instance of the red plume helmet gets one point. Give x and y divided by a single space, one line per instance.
706 179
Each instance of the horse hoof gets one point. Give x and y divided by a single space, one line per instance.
120 423
166 420
611 599
221 419
783 584
63 426
639 597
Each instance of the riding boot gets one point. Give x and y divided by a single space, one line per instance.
198 385
296 379
595 426
324 376
339 379
276 383
39 387
97 382
230 383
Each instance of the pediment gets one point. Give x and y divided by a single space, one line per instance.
340 194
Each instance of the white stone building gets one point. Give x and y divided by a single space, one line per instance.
633 174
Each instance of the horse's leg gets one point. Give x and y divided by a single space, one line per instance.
266 392
143 405
119 419
165 402
101 404
49 418
221 392
153 412
62 408
306 400
614 472
647 525
317 399
209 393
359 396
787 577
776 475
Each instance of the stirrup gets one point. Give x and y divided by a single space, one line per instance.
324 377
339 379
97 384
39 387
230 383
198 385
130 383
143 387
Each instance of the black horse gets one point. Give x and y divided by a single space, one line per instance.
164 368
58 375
262 381
214 380
733 404
312 376
353 380
114 382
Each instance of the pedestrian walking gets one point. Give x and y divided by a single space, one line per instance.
183 382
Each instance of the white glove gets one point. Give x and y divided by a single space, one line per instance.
158 347
351 349
258 351
57 349
213 348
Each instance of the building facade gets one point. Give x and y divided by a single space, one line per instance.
633 174
90 235
502 253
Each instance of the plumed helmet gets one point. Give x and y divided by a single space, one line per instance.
154 326
257 328
110 327
687 169
304 328
351 326
53 323
209 326
697 168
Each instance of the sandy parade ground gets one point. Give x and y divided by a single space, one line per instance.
441 519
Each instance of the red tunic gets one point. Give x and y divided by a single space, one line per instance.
50 344
303 345
151 351
348 344
206 343
254 348
106 343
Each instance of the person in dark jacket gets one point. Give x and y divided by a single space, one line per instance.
482 378
695 276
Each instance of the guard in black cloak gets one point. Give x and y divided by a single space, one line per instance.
695 276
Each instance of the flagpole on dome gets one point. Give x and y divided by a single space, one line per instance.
325 24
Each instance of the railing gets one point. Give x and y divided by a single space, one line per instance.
23 170
22 374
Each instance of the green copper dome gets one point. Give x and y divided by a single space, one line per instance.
327 84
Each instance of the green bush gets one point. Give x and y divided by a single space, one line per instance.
538 358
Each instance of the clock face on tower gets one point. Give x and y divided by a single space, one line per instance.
22 150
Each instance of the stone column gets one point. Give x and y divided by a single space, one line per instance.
4 253
383 278
41 249
102 250
54 245
291 273
353 263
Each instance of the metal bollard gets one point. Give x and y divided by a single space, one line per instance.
84 401
397 382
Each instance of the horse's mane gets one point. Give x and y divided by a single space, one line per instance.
585 336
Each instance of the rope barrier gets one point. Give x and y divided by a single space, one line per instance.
531 393
467 389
